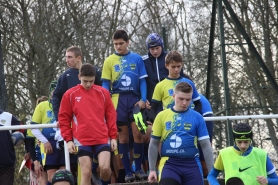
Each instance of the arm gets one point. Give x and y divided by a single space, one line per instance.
65 118
58 94
209 125
152 156
30 146
212 176
98 76
272 179
37 133
143 89
153 111
106 84
110 116
198 105
206 148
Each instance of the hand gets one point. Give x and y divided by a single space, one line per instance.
152 177
148 105
141 104
27 156
262 180
38 168
113 144
58 125
48 148
71 147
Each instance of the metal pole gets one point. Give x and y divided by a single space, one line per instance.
211 44
225 74
164 38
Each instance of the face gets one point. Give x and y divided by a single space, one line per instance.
156 51
87 81
182 100
243 144
174 69
72 60
120 46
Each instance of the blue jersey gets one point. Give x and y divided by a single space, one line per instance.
124 71
179 132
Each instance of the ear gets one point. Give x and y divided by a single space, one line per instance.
79 58
167 66
79 77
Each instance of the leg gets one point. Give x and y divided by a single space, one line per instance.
7 175
104 165
86 169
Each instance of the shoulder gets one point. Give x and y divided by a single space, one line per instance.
135 55
145 57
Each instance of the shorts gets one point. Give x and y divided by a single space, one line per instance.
186 171
92 150
124 104
54 160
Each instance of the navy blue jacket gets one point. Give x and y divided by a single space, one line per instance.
7 154
66 81
156 71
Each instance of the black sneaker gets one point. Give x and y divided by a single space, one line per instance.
129 178
140 175
96 179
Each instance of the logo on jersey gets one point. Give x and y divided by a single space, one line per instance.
175 141
187 126
241 170
49 113
117 68
125 80
168 125
78 98
171 92
3 122
132 66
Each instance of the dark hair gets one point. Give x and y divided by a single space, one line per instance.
173 56
41 99
120 34
234 181
183 87
76 50
63 175
87 70
242 131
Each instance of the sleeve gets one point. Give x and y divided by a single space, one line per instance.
270 168
142 68
152 153
30 145
98 77
212 176
209 125
110 116
206 148
195 95
58 93
106 71
157 96
272 179
106 85
143 89
157 127
202 131
65 118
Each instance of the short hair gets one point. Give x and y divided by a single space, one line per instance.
41 99
234 181
87 70
183 87
76 50
173 56
120 34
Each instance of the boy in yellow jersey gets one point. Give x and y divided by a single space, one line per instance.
164 90
242 160
178 129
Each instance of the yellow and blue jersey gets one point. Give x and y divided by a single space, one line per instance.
43 114
179 132
124 72
164 91
206 107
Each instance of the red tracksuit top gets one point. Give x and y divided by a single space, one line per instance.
91 113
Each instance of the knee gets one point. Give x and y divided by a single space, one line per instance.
105 173
123 138
86 173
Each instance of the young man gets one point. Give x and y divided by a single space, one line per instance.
126 73
52 158
7 155
90 110
68 80
178 129
242 160
155 64
163 91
